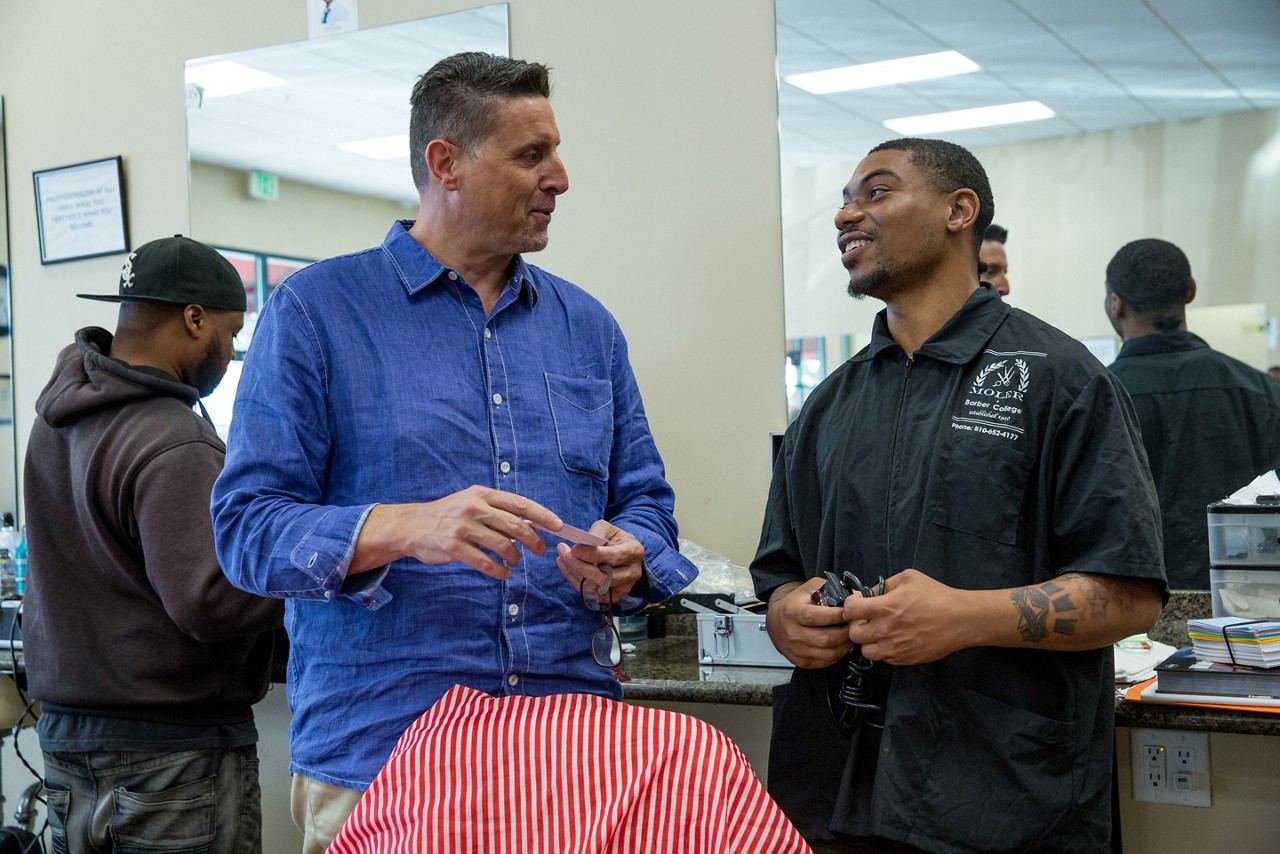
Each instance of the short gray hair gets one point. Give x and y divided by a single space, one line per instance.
455 100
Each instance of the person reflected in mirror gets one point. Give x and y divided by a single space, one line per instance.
144 657
994 267
407 417
989 470
1210 423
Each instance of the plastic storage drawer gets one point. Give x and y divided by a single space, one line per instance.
1244 535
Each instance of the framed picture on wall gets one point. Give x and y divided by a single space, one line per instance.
80 211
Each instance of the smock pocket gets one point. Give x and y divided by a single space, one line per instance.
179 818
979 488
582 412
1006 770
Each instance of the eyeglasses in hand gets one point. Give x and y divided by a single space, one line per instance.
606 643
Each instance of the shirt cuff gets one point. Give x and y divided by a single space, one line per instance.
638 596
365 588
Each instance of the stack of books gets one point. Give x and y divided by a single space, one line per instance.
1229 657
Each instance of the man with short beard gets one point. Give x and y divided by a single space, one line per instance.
975 479
144 657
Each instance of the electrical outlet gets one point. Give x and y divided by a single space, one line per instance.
1155 764
1170 766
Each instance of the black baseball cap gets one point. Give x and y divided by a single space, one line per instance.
179 270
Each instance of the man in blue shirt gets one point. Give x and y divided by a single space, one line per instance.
407 415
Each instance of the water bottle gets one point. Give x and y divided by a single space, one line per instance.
20 565
9 539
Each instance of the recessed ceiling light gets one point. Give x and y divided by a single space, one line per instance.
1001 114
382 148
926 66
224 77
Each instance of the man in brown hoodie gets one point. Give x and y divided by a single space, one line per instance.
145 659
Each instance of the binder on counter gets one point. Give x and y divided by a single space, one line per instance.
1184 673
1145 692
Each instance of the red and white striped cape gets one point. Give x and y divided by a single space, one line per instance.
569 773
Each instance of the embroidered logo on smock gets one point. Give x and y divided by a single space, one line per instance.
992 404
996 380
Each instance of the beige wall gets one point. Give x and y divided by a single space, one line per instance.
304 222
1211 185
1244 788
658 223
678 240
4 208
7 484
670 138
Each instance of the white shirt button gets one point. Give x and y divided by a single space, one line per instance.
488 333
453 277
328 594
513 609
497 400
513 680
505 468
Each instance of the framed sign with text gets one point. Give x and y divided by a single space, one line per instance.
80 211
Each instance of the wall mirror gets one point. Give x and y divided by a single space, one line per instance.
300 151
8 449
1167 89
1163 91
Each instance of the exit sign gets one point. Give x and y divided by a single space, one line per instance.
264 186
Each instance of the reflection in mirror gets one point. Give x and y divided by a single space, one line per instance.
301 151
1137 105
8 450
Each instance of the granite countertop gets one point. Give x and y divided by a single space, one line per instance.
667 669
1171 628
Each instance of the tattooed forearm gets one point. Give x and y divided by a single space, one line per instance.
1081 610
1033 611
1101 592
1062 602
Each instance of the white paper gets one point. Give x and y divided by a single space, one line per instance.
1263 484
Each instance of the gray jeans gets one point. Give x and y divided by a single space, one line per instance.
193 801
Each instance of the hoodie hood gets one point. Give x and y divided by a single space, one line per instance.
86 378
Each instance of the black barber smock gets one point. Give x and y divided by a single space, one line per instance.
1210 424
1002 454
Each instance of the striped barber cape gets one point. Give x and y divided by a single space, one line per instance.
576 773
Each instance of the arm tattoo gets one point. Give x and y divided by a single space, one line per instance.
1033 611
1101 592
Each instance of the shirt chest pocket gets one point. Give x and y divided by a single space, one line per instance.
582 413
979 487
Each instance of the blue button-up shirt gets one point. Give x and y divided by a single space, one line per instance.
377 378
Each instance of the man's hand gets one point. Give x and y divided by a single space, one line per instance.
474 526
919 619
624 553
810 636
915 621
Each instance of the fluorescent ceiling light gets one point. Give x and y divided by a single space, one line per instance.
382 148
981 117
225 77
871 74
